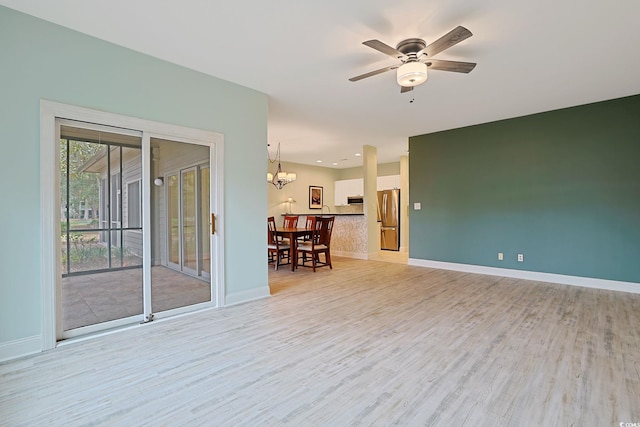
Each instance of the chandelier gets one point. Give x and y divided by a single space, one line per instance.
279 178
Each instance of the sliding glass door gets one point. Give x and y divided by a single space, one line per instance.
100 224
106 279
186 207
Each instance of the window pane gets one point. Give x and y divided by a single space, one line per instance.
205 218
189 219
174 219
81 200
133 204
85 252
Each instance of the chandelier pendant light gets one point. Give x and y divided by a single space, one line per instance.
279 178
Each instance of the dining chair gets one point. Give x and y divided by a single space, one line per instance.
290 221
309 225
320 244
277 251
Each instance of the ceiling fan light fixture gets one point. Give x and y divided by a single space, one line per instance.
412 74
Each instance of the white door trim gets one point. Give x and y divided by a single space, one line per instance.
50 184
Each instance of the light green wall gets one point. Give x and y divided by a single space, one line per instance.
314 175
299 189
45 61
561 187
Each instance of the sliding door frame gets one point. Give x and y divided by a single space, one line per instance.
50 202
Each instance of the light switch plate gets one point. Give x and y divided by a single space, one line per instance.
417 206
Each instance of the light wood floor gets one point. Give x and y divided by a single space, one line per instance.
368 343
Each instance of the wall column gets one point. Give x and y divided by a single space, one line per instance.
404 203
370 172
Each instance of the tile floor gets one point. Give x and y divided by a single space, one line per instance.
101 297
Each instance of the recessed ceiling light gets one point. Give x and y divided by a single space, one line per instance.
357 154
318 161
335 163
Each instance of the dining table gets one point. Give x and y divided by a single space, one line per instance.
293 233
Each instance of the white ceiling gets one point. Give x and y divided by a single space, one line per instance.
532 56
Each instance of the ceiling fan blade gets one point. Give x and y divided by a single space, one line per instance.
373 73
452 38
404 89
384 48
456 66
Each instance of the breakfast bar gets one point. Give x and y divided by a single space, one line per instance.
349 236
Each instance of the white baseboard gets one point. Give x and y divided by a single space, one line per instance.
586 282
246 296
356 255
21 347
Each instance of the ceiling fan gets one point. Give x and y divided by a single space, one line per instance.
416 56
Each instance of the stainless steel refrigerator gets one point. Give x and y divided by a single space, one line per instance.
389 218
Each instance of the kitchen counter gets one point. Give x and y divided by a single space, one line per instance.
349 235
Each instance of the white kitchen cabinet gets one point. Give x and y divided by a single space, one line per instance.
355 187
388 182
348 187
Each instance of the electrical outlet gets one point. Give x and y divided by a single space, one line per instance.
500 256
520 257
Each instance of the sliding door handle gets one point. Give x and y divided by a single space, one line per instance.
213 223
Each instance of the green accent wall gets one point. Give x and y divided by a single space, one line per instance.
561 187
41 60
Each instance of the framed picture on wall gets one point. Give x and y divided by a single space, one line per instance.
315 197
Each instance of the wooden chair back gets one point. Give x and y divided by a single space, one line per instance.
322 230
277 250
320 244
271 231
311 222
290 221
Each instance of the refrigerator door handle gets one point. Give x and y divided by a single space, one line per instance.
384 208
